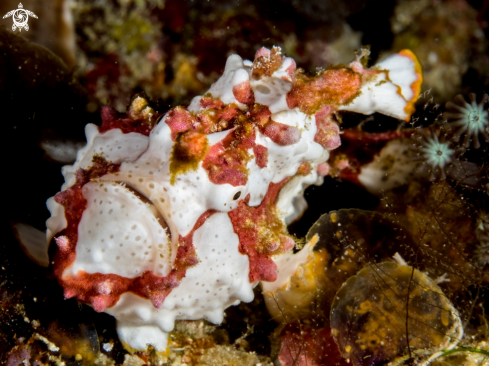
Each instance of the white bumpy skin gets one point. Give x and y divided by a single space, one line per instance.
135 218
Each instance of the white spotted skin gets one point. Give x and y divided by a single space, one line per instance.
112 145
391 168
132 241
220 279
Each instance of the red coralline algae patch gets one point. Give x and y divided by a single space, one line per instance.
19 355
261 234
305 346
333 87
104 290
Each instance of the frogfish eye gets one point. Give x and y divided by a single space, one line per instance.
237 195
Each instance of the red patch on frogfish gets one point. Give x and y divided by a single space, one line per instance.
262 52
179 120
104 290
243 93
261 155
335 86
217 119
111 119
323 169
328 131
261 234
208 102
214 117
260 115
266 62
281 133
226 161
291 68
228 112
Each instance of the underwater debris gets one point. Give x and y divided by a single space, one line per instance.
482 234
468 120
205 235
440 222
376 161
57 342
196 343
348 240
33 243
389 310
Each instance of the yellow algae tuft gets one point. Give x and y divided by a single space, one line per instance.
189 149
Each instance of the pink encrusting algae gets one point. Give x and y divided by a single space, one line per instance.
180 216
